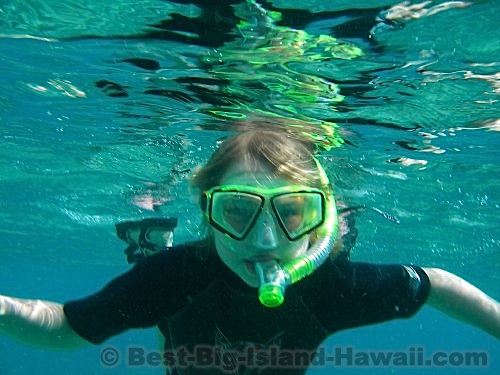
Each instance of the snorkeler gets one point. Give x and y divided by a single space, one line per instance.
268 274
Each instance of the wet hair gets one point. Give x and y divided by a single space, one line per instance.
284 153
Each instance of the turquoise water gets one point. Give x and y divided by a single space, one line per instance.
102 104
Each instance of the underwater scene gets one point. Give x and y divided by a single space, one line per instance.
107 108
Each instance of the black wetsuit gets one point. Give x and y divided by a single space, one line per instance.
215 319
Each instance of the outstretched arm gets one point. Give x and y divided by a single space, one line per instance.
457 298
39 323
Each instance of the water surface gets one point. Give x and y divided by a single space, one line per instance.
104 103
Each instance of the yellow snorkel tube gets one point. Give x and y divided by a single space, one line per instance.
275 278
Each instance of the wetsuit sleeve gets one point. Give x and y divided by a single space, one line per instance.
359 294
154 288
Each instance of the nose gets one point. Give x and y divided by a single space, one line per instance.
265 236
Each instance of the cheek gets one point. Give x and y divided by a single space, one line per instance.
224 244
299 247
227 251
233 251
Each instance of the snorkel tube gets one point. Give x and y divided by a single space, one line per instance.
275 278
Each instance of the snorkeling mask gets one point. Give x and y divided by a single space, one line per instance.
234 209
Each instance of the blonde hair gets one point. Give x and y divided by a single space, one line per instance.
257 144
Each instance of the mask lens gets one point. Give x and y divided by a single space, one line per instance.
299 213
234 212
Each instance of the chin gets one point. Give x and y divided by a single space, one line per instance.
248 276
252 283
